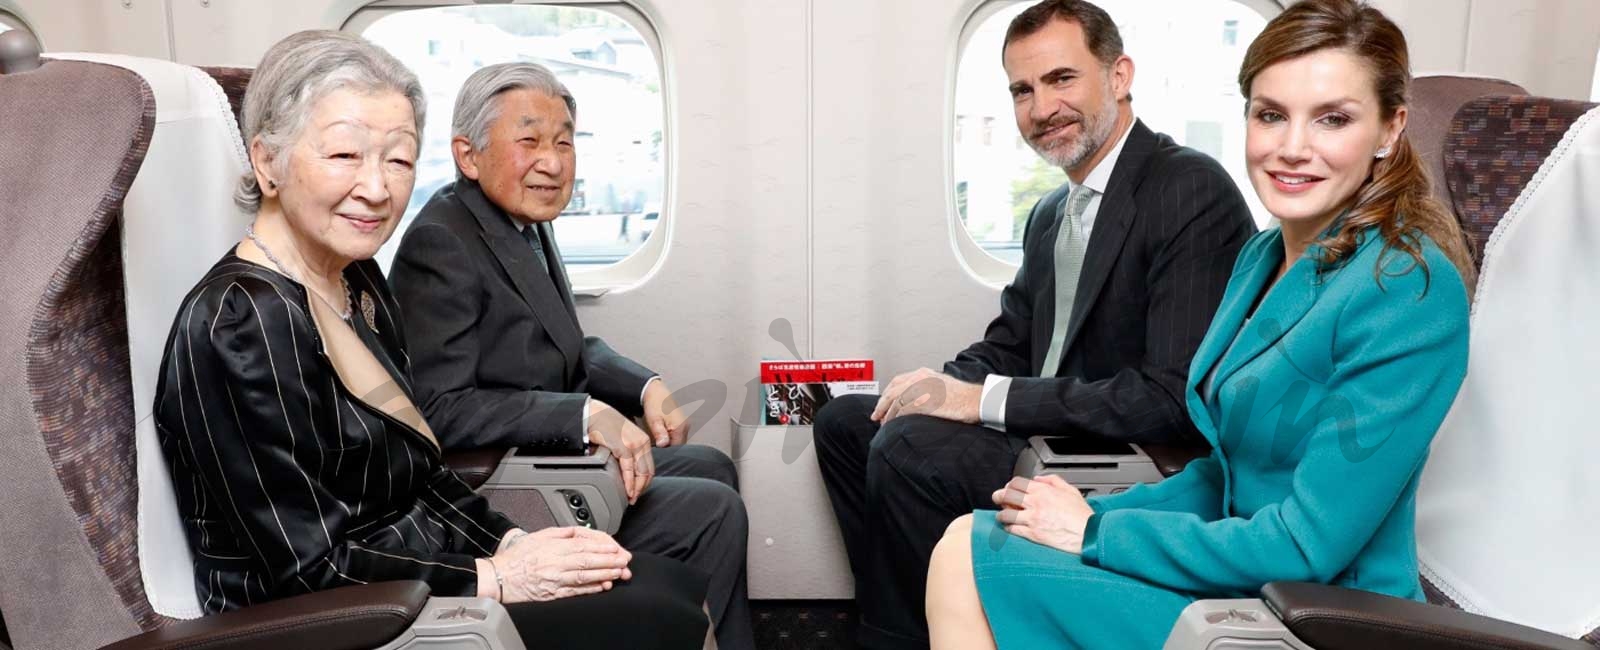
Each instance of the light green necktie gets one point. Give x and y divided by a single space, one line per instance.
1070 247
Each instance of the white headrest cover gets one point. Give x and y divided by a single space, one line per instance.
178 219
1505 511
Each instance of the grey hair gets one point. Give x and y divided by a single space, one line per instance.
298 72
475 105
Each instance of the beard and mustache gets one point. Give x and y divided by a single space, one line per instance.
1095 130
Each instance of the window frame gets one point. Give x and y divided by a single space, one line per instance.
637 267
985 266
12 16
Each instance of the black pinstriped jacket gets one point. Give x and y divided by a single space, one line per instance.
1170 225
285 481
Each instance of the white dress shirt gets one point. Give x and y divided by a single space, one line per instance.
992 403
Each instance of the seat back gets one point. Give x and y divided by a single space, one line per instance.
1505 526
234 81
1494 149
1434 102
178 219
75 135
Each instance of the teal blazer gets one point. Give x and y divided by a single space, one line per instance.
1320 414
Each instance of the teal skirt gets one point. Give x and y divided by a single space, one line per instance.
1038 597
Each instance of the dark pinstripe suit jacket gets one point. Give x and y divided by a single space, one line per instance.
1164 241
286 482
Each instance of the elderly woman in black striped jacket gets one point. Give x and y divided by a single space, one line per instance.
285 408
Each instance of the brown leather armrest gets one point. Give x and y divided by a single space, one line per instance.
1171 459
475 466
348 618
1335 618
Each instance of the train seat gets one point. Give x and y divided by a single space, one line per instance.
1515 443
1504 528
1434 102
81 139
75 136
177 217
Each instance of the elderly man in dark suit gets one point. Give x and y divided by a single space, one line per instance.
500 359
1122 269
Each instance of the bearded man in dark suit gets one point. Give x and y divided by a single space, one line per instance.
1123 267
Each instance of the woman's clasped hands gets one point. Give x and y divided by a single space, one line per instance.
1046 510
554 563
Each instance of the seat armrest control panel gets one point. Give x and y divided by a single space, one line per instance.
580 490
1093 465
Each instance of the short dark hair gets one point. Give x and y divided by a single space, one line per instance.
1098 29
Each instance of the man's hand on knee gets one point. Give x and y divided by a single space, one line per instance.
926 392
627 442
668 423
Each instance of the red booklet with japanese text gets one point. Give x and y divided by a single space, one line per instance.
793 391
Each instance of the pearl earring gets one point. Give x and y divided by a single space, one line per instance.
1382 153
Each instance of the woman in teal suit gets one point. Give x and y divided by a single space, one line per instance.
1334 356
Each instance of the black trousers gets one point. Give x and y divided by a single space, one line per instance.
659 609
895 489
692 512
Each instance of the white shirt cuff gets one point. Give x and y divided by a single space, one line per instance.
646 388
992 405
586 404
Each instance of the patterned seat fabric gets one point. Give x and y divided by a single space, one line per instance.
1434 102
75 136
1495 146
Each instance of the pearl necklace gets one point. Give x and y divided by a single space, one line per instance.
250 232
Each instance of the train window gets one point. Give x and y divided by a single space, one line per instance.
10 21
1186 55
607 57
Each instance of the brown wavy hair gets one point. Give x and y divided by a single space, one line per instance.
1397 198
